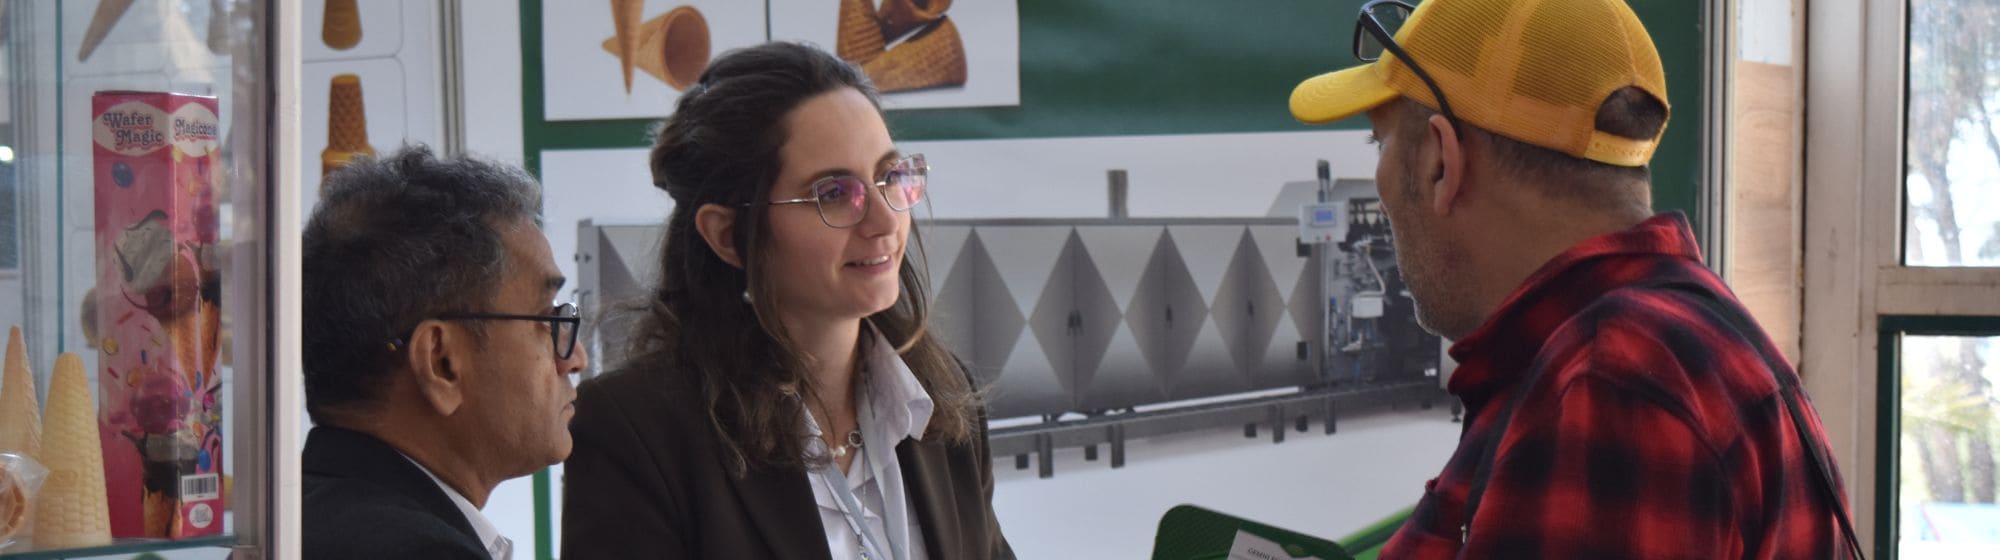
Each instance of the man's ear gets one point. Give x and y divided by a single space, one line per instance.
438 354
717 225
1448 182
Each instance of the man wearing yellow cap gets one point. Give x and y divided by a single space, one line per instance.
1621 403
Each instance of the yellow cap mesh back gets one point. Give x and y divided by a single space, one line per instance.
1533 70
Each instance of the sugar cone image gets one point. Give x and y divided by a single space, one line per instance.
673 47
934 57
20 415
901 16
71 511
860 37
346 125
625 16
340 27
107 15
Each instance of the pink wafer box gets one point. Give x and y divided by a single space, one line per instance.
156 165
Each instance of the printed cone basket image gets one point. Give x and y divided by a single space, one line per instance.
860 37
935 57
901 16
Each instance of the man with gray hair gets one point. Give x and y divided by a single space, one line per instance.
437 364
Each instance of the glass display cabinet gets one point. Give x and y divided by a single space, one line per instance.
150 408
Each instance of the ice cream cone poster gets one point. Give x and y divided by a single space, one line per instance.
622 59
919 53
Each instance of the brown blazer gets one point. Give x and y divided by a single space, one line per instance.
647 480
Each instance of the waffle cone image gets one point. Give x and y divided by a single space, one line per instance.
71 511
673 47
625 16
901 16
346 125
20 414
107 15
340 26
860 37
934 57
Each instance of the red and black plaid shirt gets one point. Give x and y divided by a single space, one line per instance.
1650 428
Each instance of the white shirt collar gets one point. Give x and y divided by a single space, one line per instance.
905 407
488 534
895 397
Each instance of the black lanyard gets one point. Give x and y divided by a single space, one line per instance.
1788 389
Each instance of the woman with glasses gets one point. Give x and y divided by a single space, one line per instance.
787 399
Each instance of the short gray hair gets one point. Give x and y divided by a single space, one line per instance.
395 241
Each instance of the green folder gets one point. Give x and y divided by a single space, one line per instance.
1192 533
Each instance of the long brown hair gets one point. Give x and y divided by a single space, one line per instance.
721 146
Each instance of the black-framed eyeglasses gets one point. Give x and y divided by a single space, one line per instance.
1375 32
563 325
842 200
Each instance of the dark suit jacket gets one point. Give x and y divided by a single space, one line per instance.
647 480
364 500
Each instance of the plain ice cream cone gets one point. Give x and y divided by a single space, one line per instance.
935 57
20 413
340 27
107 15
625 17
346 125
901 16
673 47
860 37
71 511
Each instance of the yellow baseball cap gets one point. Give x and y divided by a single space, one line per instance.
1531 70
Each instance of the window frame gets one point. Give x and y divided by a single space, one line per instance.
1858 294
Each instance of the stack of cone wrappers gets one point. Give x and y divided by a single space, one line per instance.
159 318
672 47
905 45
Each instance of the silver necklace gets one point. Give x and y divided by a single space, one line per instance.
853 443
